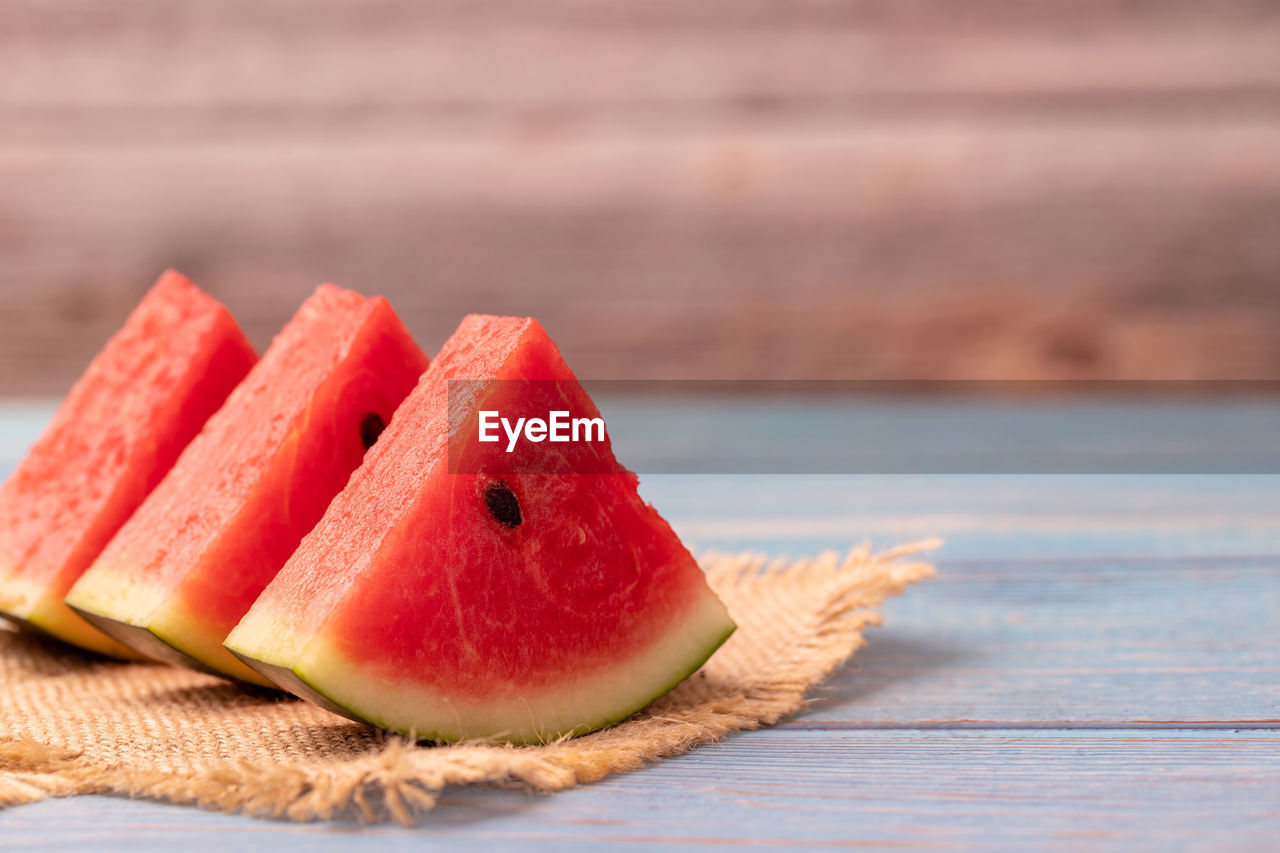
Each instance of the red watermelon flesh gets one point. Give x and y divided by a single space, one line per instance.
141 400
186 567
422 602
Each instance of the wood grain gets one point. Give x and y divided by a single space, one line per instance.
997 790
1072 644
737 190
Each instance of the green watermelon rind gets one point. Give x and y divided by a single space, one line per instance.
155 644
299 682
35 627
45 614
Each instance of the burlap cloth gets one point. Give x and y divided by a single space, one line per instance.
71 724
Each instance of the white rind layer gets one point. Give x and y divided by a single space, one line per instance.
146 617
33 604
599 698
116 594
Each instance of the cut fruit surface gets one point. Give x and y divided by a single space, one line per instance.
441 598
180 574
139 403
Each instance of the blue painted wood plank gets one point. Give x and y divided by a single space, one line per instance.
1070 643
979 516
990 790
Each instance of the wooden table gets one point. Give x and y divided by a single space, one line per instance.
1097 665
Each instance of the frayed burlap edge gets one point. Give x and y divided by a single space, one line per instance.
798 622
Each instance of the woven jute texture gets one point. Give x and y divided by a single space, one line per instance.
71 724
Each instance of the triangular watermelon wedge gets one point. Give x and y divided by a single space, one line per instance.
184 569
520 603
139 403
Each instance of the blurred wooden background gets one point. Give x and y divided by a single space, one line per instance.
725 188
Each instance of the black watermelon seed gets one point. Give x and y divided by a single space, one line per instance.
370 428
502 503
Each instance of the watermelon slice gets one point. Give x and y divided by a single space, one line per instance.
119 430
186 567
520 606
